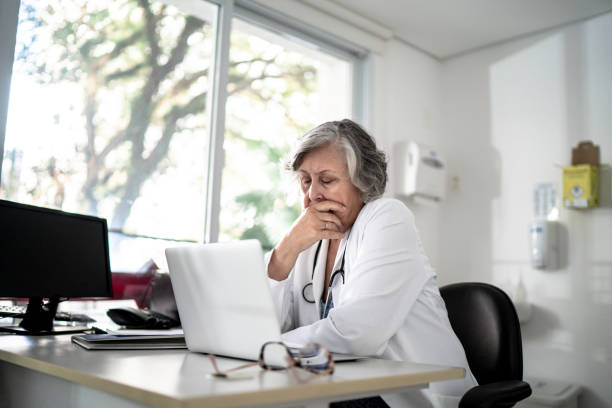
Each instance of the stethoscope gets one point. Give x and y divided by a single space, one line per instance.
307 290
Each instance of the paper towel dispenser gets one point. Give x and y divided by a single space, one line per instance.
420 171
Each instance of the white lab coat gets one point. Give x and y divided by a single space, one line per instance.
388 307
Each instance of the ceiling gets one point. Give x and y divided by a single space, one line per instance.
445 28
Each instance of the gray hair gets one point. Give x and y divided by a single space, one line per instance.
366 164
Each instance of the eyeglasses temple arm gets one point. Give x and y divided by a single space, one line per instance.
213 360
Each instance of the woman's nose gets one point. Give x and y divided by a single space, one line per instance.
314 193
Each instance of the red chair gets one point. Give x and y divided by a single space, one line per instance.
132 285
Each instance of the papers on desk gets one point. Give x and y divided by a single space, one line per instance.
130 341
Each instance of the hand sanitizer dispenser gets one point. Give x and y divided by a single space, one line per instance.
544 244
420 171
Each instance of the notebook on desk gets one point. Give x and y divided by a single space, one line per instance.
224 299
109 341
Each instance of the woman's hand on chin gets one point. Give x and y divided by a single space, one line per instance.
318 221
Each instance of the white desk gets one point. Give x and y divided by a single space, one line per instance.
53 372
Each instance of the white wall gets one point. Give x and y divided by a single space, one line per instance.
510 115
406 106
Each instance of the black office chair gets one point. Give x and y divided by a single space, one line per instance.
485 321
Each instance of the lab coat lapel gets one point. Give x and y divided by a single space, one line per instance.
319 275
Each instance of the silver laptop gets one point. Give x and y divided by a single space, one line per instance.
224 301
223 298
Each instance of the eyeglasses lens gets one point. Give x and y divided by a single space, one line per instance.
276 356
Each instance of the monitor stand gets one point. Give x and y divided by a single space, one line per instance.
38 320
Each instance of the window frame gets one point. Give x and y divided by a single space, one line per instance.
9 18
254 13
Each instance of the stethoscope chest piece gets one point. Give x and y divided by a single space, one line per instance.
308 293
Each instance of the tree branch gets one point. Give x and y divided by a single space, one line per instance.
267 61
247 82
125 73
123 44
182 85
244 82
178 53
196 104
116 140
119 47
188 80
143 106
150 25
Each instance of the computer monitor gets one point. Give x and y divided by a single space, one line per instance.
51 254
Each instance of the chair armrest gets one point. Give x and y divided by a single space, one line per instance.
494 395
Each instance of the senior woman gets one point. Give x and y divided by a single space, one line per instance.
351 273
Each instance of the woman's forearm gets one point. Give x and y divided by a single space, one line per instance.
282 261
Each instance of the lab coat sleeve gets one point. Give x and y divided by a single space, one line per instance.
283 298
385 280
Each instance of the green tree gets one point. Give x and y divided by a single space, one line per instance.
154 62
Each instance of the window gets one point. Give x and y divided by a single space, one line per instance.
108 116
113 112
278 89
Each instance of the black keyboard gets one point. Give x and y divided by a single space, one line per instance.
19 311
12 311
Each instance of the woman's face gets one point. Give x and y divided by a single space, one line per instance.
324 176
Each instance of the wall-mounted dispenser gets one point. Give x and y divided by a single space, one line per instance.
544 231
544 243
420 171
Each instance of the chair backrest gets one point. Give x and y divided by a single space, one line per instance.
486 323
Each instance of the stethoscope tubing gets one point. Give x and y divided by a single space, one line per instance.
333 276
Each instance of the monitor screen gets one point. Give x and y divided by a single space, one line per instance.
51 253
